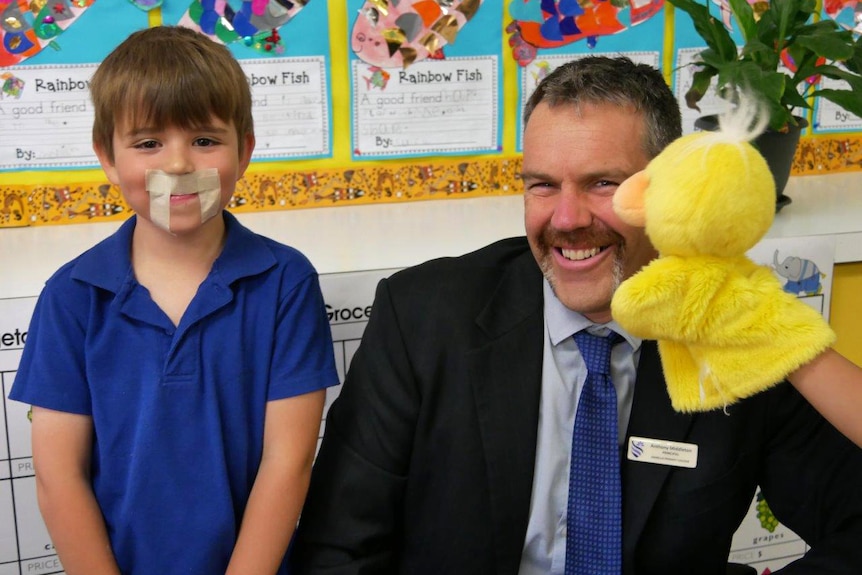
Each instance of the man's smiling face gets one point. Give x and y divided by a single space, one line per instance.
574 159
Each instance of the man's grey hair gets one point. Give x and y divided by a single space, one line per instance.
617 81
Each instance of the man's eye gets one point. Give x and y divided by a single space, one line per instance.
540 188
606 186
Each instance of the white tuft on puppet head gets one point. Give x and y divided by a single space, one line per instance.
742 122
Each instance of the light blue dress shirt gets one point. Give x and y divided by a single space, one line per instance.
563 375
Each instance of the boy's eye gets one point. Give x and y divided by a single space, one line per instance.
205 142
147 144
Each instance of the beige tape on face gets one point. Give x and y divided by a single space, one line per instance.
161 186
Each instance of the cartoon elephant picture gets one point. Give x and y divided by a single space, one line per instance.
803 276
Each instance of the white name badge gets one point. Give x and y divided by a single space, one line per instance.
662 452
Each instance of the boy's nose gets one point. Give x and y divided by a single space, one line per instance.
179 162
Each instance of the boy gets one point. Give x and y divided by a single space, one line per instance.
177 369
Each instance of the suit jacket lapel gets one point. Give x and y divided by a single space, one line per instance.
652 417
506 378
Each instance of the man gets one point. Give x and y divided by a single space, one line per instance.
448 450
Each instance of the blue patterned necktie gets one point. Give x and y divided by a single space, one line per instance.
594 524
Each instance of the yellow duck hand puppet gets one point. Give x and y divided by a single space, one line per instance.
725 328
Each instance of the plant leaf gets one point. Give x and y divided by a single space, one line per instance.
761 54
744 15
838 73
828 45
791 98
779 117
712 31
748 76
710 57
854 64
806 67
847 99
781 21
700 82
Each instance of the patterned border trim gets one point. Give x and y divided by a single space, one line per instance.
822 154
261 190
278 190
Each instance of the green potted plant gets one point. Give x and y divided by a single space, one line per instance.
774 28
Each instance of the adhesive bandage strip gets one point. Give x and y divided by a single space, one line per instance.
161 186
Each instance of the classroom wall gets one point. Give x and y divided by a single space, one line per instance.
846 310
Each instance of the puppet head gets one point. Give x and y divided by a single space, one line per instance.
724 326
708 193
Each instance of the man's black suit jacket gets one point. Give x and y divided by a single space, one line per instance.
427 460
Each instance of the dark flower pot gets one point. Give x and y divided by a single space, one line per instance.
778 148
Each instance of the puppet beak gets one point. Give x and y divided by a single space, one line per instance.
629 199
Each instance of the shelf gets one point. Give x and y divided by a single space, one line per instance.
824 205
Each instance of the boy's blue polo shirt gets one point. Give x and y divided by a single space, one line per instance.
178 412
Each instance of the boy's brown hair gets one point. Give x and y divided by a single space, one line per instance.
169 76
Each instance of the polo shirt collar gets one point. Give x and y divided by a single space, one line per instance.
245 253
108 264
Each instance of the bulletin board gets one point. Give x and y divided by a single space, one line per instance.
355 101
